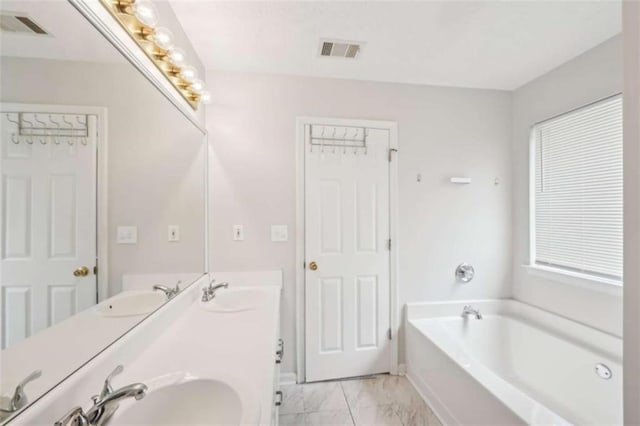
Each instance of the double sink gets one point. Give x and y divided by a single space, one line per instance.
189 387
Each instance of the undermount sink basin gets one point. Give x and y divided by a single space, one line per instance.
130 303
196 402
235 300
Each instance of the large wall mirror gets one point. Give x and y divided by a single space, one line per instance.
102 197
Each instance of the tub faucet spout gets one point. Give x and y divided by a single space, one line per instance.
469 310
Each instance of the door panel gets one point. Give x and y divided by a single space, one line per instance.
17 314
366 217
62 302
331 307
330 217
62 229
16 226
346 230
367 311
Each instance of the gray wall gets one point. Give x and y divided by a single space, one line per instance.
591 76
443 132
155 158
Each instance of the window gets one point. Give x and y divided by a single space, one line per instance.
577 223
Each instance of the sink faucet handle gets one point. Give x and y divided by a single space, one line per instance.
75 417
107 388
205 294
31 377
19 398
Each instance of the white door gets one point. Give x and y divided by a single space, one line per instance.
48 222
346 252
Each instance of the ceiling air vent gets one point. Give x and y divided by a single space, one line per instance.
15 23
339 49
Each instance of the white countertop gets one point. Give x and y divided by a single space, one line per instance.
53 349
237 347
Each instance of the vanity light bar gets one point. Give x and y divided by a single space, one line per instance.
139 18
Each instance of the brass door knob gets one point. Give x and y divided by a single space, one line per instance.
313 266
82 271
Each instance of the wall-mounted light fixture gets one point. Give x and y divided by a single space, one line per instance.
140 19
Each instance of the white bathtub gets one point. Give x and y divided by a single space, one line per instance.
517 365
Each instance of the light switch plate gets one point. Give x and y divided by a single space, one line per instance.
173 233
127 235
279 233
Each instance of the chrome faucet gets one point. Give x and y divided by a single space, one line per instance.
168 291
104 405
19 398
209 292
469 310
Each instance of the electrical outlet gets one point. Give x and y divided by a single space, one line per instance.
173 233
127 234
279 233
238 233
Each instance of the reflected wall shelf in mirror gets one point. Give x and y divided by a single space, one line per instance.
64 278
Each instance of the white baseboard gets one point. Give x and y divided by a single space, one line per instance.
402 369
288 379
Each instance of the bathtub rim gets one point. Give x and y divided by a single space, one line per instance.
599 341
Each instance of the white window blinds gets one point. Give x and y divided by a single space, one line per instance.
578 190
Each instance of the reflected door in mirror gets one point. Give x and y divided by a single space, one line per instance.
49 219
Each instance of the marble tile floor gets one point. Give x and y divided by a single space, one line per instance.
376 400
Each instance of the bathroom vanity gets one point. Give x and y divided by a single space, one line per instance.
201 362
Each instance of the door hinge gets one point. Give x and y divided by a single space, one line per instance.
391 151
389 333
389 244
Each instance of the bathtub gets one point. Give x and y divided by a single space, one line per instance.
517 365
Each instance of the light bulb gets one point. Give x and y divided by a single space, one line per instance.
197 86
146 12
189 74
163 38
176 56
205 97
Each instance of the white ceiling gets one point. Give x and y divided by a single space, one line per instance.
72 37
481 44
